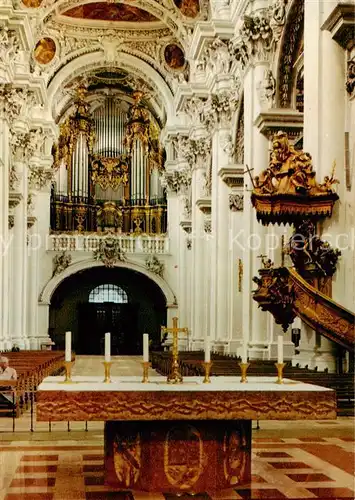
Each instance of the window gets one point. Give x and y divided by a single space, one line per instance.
108 293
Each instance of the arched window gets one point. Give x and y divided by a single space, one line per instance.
108 293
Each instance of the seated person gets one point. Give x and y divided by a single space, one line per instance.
6 373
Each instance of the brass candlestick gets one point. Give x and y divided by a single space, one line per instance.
207 365
280 368
107 365
146 365
67 377
244 368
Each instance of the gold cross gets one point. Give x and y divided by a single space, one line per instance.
174 376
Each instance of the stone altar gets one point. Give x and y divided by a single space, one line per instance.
192 437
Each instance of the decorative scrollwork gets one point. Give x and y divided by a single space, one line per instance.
275 294
110 252
110 172
309 253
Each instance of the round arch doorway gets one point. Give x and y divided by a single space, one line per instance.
94 301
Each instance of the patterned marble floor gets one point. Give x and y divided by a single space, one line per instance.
291 460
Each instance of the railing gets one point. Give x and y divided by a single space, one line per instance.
90 242
82 214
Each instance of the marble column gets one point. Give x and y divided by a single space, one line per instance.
19 253
255 157
324 136
32 284
5 236
220 300
198 254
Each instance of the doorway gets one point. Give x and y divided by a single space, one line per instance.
99 300
95 319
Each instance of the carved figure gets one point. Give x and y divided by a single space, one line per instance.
290 172
61 262
309 252
154 265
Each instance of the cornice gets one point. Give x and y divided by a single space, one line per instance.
271 121
205 205
232 175
14 199
186 226
30 221
341 24
205 32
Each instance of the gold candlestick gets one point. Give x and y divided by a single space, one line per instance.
146 365
280 367
67 377
244 367
107 365
207 365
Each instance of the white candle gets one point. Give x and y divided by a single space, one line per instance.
108 347
67 346
245 353
280 349
145 348
207 351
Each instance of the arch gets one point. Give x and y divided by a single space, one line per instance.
87 62
291 39
49 289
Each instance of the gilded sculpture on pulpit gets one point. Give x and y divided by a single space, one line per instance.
288 188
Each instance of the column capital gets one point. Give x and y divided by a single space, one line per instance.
40 178
176 181
259 34
219 108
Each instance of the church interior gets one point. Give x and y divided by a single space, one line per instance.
177 249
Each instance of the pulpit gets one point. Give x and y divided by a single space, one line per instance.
180 438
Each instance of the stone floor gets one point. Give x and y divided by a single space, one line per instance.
294 460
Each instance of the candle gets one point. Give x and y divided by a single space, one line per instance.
280 348
207 351
68 346
245 353
145 348
108 347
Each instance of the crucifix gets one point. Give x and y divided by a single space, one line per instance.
174 377
249 171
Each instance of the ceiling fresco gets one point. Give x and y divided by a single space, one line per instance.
102 11
45 50
32 3
189 8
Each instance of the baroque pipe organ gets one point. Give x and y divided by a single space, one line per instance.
108 162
